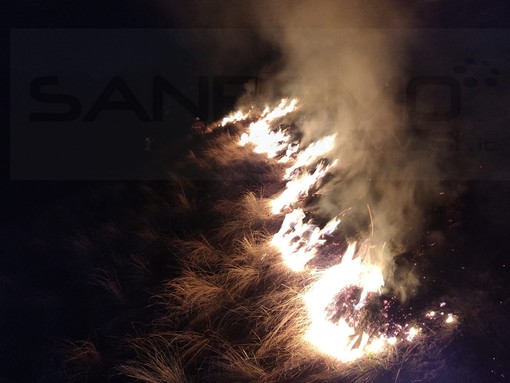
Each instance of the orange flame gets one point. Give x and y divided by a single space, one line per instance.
299 241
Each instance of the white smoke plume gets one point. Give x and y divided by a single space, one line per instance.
350 83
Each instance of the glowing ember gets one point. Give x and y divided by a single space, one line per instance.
431 314
412 333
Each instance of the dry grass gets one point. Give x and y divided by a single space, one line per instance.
235 167
184 199
141 270
232 313
246 216
110 283
154 366
80 357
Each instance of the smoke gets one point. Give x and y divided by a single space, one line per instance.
350 82
346 62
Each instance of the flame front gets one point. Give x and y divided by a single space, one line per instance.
261 135
345 339
336 327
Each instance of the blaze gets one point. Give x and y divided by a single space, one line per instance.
234 117
344 340
298 241
298 188
260 134
339 333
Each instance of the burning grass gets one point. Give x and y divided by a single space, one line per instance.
237 306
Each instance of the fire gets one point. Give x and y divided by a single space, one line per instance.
297 253
234 117
343 340
298 187
337 332
260 134
311 153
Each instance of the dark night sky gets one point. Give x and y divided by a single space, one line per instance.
31 204
180 52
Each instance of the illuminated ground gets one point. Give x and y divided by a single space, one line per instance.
94 288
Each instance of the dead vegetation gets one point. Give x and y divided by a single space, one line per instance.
219 306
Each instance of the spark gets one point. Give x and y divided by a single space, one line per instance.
430 314
412 333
